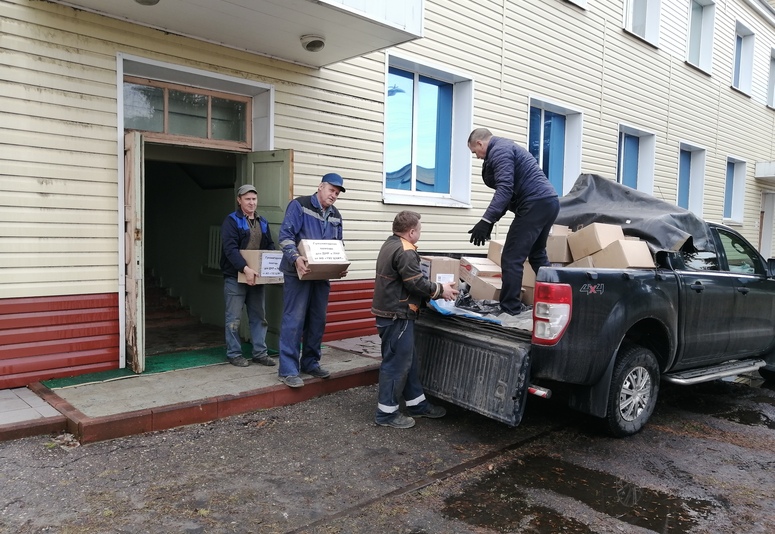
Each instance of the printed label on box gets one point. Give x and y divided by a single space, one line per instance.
327 251
270 264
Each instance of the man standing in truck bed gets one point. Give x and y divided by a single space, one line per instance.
521 187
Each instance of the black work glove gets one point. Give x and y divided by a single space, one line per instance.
480 233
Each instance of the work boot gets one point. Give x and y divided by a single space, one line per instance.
432 412
264 360
398 421
318 372
294 381
239 361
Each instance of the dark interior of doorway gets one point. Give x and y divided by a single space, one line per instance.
188 192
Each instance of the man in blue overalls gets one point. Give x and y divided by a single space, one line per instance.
305 301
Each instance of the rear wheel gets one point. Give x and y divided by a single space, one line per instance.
634 390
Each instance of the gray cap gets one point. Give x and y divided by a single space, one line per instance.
247 188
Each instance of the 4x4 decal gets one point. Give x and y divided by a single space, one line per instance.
592 289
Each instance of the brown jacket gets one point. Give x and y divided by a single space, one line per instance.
399 287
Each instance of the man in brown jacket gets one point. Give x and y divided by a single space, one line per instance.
399 291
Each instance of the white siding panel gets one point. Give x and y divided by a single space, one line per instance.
58 149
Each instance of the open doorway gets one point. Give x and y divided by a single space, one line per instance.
177 198
188 192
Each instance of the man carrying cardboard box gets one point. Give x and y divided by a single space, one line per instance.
521 187
305 301
244 230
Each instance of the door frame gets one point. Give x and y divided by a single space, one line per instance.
263 95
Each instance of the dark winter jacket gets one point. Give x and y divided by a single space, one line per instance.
306 219
399 287
516 177
235 236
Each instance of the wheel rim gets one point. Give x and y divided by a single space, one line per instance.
635 394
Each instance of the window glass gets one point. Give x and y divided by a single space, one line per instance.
684 178
418 147
187 114
738 60
639 8
171 109
398 140
695 32
629 147
741 257
547 144
728 189
228 119
143 107
700 261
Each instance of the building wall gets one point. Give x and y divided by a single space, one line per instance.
59 141
59 150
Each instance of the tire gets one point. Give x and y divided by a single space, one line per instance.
634 390
768 373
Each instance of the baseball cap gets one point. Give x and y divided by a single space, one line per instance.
334 179
247 188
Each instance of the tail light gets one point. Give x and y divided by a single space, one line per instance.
552 304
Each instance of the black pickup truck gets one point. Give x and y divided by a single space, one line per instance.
705 311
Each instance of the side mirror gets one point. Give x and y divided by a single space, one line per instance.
668 259
771 268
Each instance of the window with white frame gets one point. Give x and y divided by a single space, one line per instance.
742 69
641 17
691 178
428 117
635 160
554 139
734 190
771 81
700 47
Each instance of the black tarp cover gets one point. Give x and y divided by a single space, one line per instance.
664 226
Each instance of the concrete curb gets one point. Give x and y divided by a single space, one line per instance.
92 429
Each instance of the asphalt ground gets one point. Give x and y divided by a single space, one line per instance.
704 463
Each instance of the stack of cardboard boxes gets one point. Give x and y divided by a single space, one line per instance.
596 245
604 245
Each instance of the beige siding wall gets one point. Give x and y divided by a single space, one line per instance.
58 138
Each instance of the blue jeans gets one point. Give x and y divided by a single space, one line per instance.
525 240
304 320
238 295
398 373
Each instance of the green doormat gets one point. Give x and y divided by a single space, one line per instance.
159 363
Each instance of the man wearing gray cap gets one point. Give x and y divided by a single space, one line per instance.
244 230
305 301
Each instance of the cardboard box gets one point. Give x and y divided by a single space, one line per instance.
583 262
494 250
558 229
557 249
326 258
485 288
528 275
471 267
266 262
624 254
440 269
593 238
556 246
